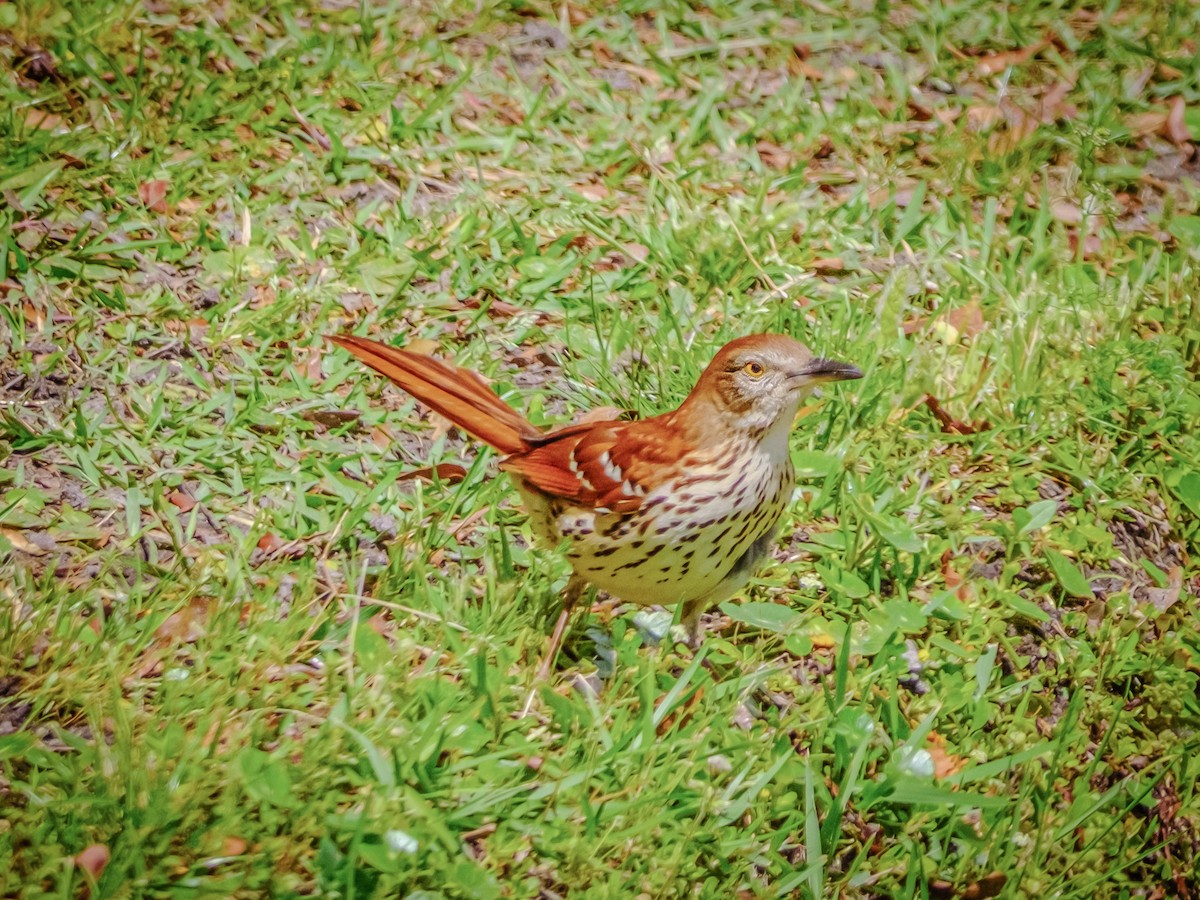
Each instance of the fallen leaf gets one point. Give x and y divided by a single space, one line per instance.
592 191
331 418
496 307
422 345
798 64
773 156
995 63
19 541
1146 123
41 119
967 320
636 251
1163 599
600 414
447 472
951 425
827 265
154 195
1066 211
187 625
682 713
1176 128
945 763
990 885
92 859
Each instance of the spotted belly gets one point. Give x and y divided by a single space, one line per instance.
675 548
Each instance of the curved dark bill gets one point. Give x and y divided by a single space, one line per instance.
830 370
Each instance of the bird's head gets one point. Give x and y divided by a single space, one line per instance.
761 379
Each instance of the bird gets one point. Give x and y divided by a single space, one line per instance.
676 509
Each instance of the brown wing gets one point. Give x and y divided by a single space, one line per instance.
608 465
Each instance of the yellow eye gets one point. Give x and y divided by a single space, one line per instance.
754 369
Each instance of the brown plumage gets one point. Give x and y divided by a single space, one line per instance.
678 508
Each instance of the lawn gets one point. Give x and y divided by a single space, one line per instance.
245 652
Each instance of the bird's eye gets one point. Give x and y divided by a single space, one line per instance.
754 369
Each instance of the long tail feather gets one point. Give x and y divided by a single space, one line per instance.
459 395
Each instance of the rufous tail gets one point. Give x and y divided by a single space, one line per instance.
458 394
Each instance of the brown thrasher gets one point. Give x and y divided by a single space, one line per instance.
678 508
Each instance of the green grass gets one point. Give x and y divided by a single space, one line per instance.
241 654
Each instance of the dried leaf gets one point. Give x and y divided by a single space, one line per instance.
1066 211
600 414
995 63
450 473
20 541
269 543
945 763
331 418
1163 599
187 625
153 195
40 118
592 191
951 425
1146 123
1175 126
92 859
967 320
774 156
828 265
422 345
636 251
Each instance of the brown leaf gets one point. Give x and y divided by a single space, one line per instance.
592 191
828 265
600 414
945 763
773 156
967 320
1145 123
447 472
1066 211
187 625
990 885
682 713
500 309
92 859
154 195
636 251
331 418
995 63
983 116
1176 128
1163 599
798 64
422 345
951 425
20 542
41 119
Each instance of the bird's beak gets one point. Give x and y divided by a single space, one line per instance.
820 370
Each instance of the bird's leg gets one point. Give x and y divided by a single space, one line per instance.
690 619
571 594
